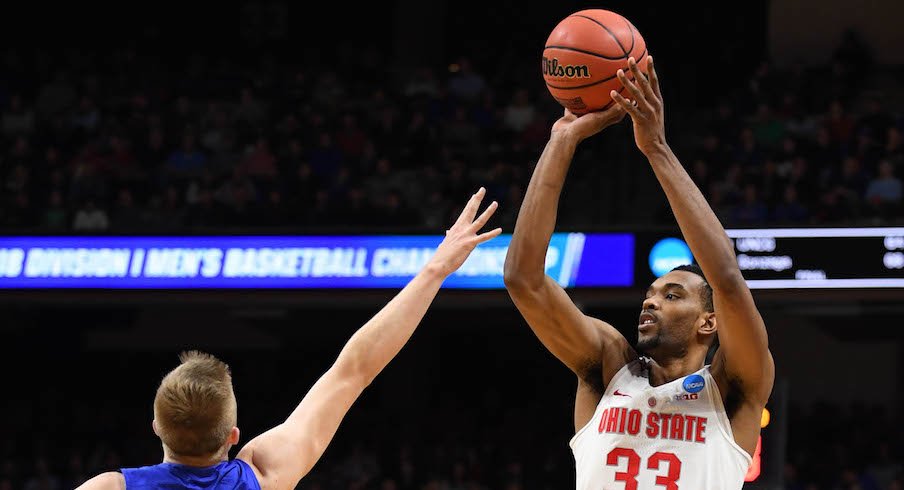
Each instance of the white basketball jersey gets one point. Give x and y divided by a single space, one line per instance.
675 436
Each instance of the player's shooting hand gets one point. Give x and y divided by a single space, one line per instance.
582 127
463 236
647 112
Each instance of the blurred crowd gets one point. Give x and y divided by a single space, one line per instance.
473 449
133 143
394 438
464 407
806 145
843 447
139 146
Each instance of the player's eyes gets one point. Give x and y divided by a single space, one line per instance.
671 296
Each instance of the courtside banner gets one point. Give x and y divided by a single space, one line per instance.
292 262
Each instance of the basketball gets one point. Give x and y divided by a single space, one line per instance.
583 54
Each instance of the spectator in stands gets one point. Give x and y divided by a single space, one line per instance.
17 119
790 210
885 469
875 120
519 114
188 160
87 135
153 152
396 212
90 218
351 140
884 192
55 217
767 129
894 147
422 84
42 479
839 124
466 84
87 117
751 211
125 215
259 162
748 151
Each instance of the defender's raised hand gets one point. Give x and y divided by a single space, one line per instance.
647 111
462 237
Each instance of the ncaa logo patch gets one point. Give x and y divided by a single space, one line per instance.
667 254
694 383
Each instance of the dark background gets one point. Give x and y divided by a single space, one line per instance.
474 394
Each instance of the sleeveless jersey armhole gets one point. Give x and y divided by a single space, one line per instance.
721 415
606 393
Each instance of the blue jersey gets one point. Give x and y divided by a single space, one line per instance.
231 475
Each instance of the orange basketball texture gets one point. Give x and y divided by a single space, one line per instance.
582 55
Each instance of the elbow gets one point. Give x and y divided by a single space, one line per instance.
361 382
511 276
729 280
516 280
354 373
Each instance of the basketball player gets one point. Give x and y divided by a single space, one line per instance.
195 408
653 416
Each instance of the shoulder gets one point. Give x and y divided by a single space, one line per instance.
615 352
111 480
245 459
612 342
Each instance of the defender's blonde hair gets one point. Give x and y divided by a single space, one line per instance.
195 408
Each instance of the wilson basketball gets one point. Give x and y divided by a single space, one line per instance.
583 54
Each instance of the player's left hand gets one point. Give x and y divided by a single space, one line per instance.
646 111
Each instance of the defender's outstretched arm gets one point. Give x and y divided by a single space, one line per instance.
284 454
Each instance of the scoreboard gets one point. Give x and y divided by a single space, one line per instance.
793 258
821 258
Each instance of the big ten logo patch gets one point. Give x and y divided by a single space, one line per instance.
681 397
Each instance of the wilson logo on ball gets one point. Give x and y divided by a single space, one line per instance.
552 68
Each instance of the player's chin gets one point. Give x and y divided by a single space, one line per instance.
647 340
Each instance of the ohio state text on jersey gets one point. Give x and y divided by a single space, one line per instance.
674 436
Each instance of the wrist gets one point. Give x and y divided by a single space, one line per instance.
565 138
657 150
436 270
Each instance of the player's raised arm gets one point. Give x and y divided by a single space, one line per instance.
744 349
284 454
579 341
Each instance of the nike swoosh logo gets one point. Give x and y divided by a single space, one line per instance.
618 393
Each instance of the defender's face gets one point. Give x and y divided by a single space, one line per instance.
672 305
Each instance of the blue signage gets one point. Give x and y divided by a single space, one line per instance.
573 259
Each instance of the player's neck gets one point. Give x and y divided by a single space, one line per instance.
197 461
664 369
